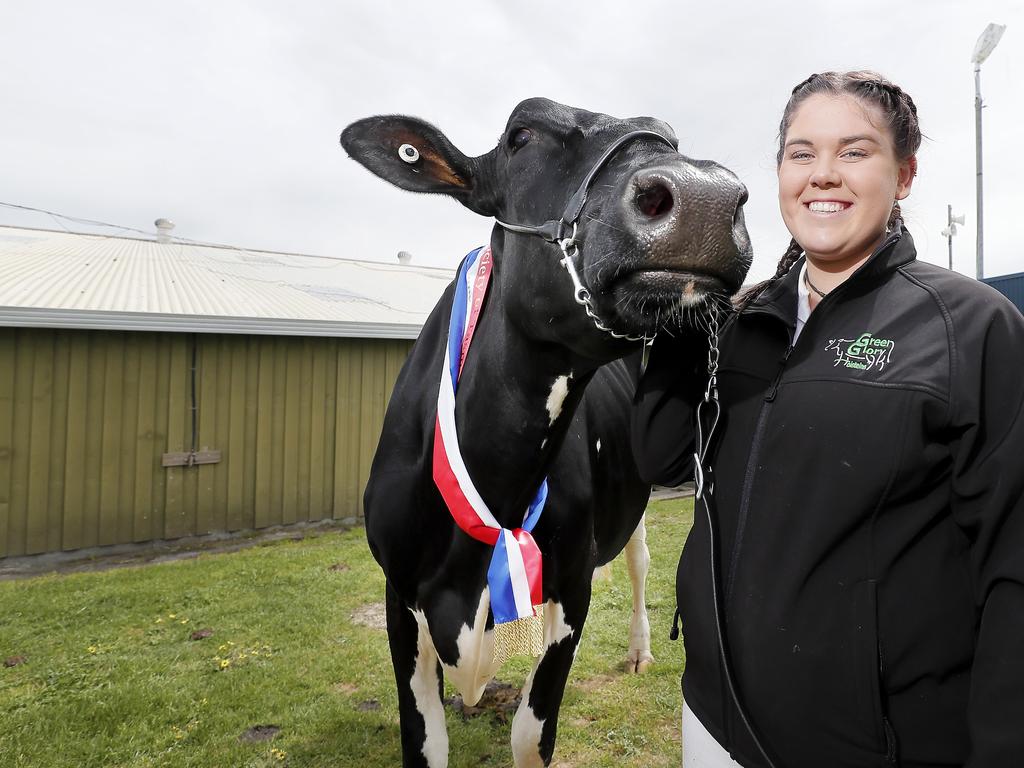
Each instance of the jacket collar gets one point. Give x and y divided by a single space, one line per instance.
779 299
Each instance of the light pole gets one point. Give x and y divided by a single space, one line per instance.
950 230
985 45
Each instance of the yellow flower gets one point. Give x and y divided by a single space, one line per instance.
278 754
159 621
225 663
172 615
223 647
184 621
93 649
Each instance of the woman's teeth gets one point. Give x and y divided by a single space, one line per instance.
823 207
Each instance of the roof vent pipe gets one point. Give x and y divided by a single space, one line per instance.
404 257
163 230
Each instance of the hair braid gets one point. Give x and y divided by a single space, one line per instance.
895 217
789 258
895 104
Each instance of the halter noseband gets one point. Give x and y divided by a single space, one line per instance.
563 230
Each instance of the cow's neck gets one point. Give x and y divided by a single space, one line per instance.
515 401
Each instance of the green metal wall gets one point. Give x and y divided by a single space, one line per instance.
85 417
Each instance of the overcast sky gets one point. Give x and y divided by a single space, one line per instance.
224 116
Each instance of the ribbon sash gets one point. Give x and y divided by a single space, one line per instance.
515 573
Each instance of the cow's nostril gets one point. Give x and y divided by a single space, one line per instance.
654 200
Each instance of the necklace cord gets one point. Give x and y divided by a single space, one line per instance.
812 286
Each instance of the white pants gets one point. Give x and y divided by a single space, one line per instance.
700 750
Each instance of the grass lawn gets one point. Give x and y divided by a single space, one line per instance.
110 676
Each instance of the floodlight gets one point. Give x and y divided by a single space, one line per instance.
987 42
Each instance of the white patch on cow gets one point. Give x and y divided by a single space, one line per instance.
526 726
476 666
638 560
690 296
527 729
427 698
598 446
559 391
555 628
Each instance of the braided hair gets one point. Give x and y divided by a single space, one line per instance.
899 112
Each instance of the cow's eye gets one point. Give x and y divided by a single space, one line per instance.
521 138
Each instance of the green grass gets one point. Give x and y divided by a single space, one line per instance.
111 677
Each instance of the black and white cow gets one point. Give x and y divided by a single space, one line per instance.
659 233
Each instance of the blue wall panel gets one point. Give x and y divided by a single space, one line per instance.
1011 286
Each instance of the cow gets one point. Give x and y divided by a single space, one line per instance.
647 236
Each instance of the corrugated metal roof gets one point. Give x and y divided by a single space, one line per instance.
69 280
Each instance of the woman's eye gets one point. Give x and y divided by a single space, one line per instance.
521 138
800 156
855 153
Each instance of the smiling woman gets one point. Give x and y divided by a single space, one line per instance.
838 178
864 603
841 170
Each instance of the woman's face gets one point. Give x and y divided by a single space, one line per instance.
838 179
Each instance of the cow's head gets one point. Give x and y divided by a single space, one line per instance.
660 233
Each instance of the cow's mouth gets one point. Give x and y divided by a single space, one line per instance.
667 285
644 299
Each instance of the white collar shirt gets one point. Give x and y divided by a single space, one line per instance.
803 302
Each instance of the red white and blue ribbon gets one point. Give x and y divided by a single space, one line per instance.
514 575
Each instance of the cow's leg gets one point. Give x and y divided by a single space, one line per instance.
418 675
536 721
638 560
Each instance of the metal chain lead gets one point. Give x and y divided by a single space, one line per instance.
708 409
580 292
713 354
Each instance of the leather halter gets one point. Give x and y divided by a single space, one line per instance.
556 230
563 230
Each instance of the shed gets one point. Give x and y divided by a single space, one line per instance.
153 390
1011 286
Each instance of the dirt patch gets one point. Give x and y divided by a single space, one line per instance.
371 615
346 689
370 705
591 684
259 733
499 700
14 661
201 634
340 568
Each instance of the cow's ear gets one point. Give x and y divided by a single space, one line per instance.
414 155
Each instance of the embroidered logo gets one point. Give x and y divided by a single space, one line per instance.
864 353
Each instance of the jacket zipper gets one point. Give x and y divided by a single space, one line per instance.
891 743
748 478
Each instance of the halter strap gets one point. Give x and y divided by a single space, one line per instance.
555 230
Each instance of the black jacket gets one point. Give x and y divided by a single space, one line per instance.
869 494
